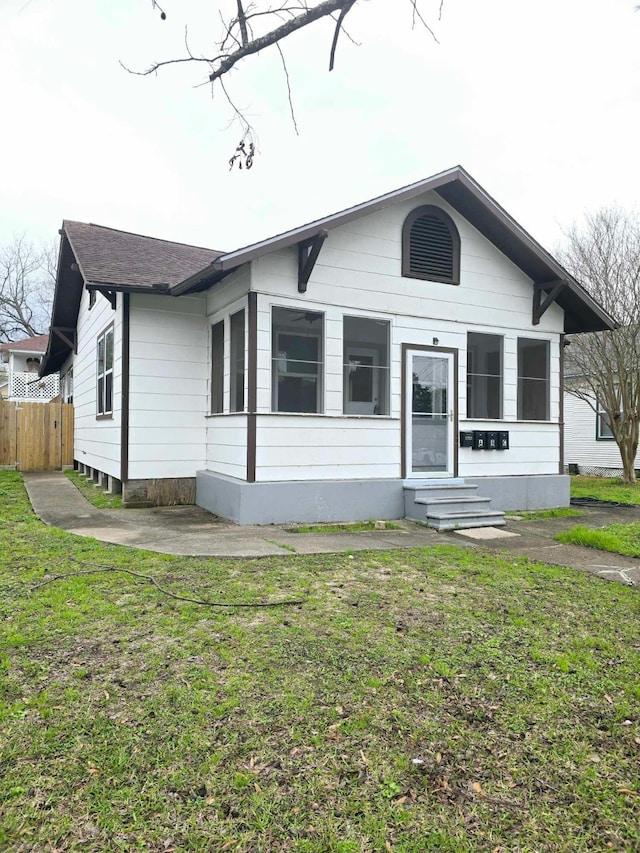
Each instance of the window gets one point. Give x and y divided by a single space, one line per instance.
217 368
431 246
366 366
66 386
104 390
297 360
533 380
484 376
603 425
236 403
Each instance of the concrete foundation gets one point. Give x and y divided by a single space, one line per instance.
357 500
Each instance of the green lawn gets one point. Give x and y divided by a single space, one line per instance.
430 700
98 497
605 489
537 514
618 538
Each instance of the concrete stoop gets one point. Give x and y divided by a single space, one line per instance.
449 505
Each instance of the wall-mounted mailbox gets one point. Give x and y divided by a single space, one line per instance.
492 441
466 439
503 441
479 439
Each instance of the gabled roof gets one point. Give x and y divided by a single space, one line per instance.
464 194
94 255
107 256
37 343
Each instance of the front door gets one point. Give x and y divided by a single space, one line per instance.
430 413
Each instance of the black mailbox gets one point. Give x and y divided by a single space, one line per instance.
503 441
479 439
492 441
466 439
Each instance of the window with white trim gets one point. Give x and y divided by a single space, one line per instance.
297 359
533 380
104 384
603 425
217 368
365 366
236 346
484 376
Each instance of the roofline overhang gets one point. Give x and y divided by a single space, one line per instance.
598 320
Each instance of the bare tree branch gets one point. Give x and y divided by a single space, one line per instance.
27 276
286 74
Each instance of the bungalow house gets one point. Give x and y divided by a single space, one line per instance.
399 358
19 366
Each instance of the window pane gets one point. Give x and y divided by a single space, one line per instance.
100 395
602 425
366 366
217 368
109 350
108 392
101 354
484 376
533 380
297 359
237 362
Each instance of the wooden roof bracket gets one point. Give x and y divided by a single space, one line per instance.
308 251
108 293
540 305
67 336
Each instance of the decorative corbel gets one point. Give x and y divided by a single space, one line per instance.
308 251
540 305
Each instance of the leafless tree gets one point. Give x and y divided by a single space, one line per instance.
27 278
604 368
248 27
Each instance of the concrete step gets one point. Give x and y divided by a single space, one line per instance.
454 504
464 520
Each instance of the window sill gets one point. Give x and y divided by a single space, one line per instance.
106 417
504 421
224 414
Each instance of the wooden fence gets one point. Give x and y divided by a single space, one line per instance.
36 436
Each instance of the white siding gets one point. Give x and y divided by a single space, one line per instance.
96 440
359 272
580 444
227 445
167 385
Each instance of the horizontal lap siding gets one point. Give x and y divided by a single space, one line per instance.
96 441
358 272
316 448
227 445
580 445
168 386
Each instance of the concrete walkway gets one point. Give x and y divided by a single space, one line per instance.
192 531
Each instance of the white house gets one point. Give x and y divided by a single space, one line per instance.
20 363
407 348
590 447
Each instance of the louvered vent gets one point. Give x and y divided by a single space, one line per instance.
431 250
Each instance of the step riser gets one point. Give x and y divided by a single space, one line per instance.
442 526
479 505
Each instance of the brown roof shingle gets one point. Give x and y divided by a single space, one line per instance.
108 256
38 343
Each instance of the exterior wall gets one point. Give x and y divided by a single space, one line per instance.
580 444
96 440
167 386
359 273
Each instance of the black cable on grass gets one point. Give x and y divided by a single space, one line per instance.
152 580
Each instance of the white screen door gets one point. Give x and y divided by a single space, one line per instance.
429 405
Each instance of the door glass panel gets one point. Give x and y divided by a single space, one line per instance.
429 414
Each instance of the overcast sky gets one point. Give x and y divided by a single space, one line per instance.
540 102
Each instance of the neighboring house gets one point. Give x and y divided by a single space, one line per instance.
337 371
19 380
590 447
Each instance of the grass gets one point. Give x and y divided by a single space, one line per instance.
430 700
98 497
356 527
618 538
605 489
535 515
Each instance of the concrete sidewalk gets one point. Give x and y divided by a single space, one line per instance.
191 531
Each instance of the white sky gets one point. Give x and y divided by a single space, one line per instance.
540 102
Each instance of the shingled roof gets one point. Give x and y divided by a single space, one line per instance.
38 343
108 256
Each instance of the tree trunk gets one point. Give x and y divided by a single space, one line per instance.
628 446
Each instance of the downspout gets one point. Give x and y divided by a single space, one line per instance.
252 367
